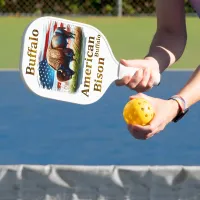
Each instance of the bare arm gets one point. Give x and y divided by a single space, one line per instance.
170 38
191 91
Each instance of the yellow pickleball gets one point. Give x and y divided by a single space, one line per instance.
138 112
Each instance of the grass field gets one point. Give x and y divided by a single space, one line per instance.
129 37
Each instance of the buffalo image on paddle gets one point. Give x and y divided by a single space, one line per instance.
59 56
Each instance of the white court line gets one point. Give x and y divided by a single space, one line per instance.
8 70
170 70
180 70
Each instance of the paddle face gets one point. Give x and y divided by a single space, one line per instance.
67 60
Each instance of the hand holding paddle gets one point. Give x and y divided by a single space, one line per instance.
144 78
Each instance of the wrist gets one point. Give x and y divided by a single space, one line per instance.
182 107
155 68
175 108
163 56
154 62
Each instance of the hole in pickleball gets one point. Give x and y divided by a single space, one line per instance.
146 115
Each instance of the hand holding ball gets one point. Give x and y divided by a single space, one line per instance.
138 111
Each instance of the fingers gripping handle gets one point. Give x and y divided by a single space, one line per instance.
130 71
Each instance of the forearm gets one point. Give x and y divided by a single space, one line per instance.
166 48
191 91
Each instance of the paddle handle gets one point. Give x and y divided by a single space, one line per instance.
130 71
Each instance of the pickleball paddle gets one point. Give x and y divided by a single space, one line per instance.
69 61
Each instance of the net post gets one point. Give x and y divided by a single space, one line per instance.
119 8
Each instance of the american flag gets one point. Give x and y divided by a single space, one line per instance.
47 75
